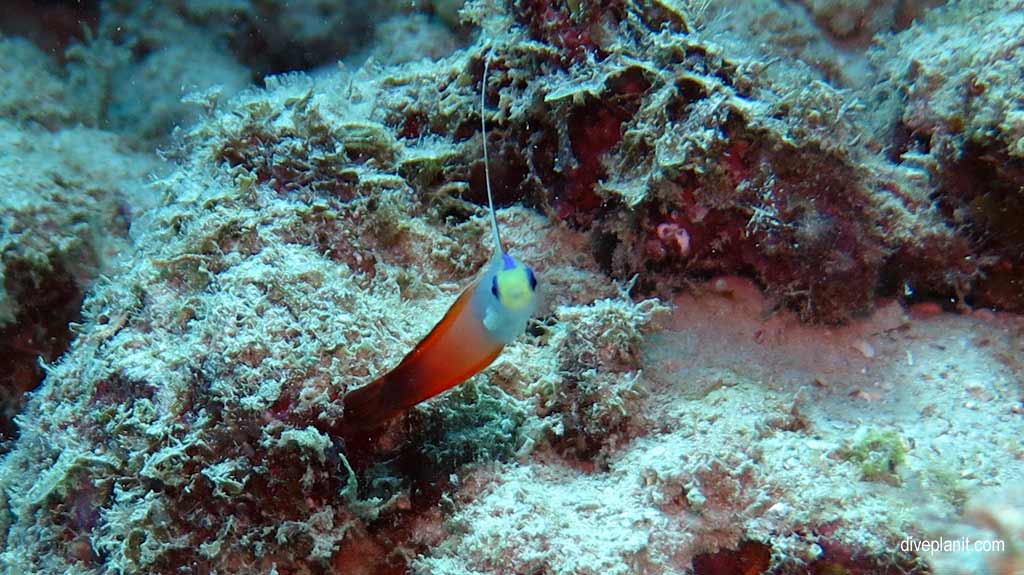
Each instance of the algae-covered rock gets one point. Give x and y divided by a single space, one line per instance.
290 262
65 202
30 88
959 121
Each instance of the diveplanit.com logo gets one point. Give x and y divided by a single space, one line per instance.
958 545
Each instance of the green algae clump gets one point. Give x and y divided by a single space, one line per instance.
878 453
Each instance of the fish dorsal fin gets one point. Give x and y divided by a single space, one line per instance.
499 250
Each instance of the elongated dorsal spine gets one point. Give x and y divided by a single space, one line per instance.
487 168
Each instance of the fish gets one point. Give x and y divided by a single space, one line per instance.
489 313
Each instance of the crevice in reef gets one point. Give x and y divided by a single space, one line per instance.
982 197
50 24
41 331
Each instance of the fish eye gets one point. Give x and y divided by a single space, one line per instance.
494 286
532 279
